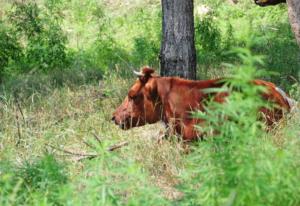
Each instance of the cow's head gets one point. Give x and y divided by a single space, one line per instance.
268 2
142 104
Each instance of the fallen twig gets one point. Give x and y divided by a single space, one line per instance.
82 156
117 146
89 145
78 159
97 138
72 153
293 78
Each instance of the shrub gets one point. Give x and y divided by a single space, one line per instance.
227 26
47 50
44 177
208 35
9 184
145 51
26 17
106 54
115 180
45 42
33 183
10 49
147 38
239 164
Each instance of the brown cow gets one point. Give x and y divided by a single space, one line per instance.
268 2
171 99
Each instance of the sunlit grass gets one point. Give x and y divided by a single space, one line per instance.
43 115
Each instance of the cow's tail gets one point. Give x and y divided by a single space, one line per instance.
291 102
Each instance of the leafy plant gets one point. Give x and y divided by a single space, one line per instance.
10 49
26 17
239 164
40 181
45 45
47 51
208 35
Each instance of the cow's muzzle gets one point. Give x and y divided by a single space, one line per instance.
128 122
113 119
122 124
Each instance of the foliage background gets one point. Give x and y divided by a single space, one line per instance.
66 64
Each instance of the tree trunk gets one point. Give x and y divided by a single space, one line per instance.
178 53
294 15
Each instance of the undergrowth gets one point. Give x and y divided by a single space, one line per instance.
238 163
65 71
50 35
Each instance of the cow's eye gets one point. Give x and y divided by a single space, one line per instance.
135 97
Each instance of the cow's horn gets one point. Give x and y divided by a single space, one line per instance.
139 74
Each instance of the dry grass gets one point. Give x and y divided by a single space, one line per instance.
68 118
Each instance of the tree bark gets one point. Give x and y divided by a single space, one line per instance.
178 53
294 16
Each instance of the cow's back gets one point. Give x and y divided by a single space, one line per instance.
180 96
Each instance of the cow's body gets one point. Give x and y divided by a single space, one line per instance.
172 99
179 98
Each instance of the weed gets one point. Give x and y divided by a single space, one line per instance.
239 164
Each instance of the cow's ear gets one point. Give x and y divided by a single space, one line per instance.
145 74
147 71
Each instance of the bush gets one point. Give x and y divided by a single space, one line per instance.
26 17
213 41
47 50
147 38
208 35
227 26
44 178
145 51
239 164
106 54
9 184
45 42
10 49
33 183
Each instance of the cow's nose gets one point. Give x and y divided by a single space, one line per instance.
113 119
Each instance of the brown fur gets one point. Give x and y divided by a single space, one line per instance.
172 99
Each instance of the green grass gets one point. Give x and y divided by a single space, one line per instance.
150 170
65 118
44 112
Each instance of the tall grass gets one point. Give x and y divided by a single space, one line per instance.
238 163
42 113
65 117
